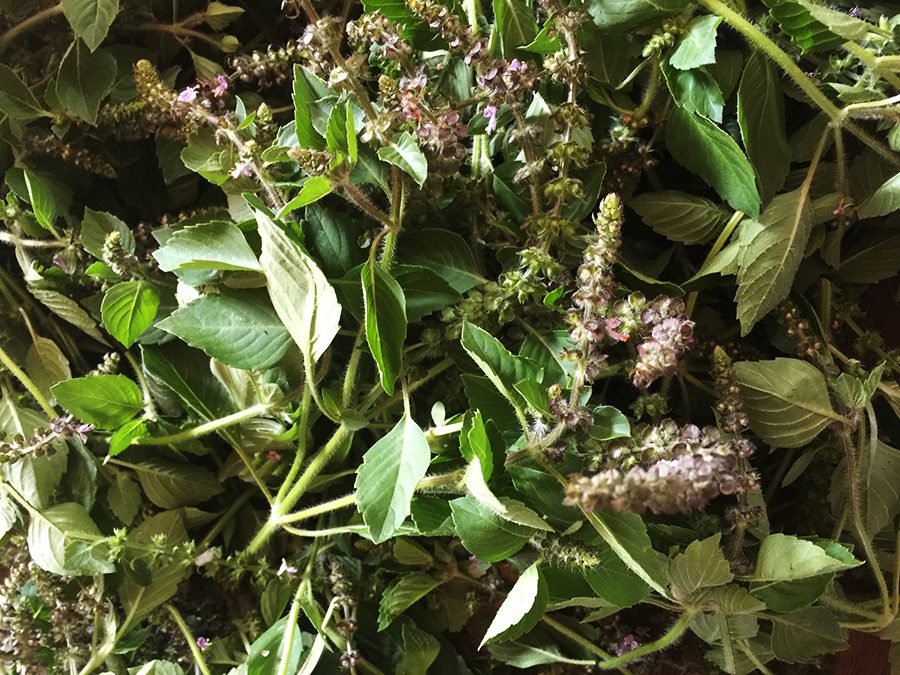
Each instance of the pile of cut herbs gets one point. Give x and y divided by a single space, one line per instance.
549 336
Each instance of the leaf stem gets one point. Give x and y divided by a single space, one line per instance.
192 643
580 640
319 509
149 407
717 247
26 381
754 659
207 428
657 645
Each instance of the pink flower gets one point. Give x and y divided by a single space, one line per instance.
515 65
188 95
611 325
242 168
203 643
491 113
221 87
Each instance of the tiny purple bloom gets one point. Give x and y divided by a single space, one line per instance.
515 65
242 168
221 87
203 643
628 644
188 95
491 113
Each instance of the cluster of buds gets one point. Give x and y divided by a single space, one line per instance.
671 335
49 145
268 68
505 81
568 554
536 267
798 331
313 162
117 257
445 22
151 112
345 603
572 416
41 443
729 406
442 143
374 28
663 38
674 470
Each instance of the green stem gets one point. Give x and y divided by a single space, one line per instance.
207 428
658 645
580 640
872 62
719 244
222 520
13 240
149 407
290 632
754 659
29 23
756 37
652 87
352 368
300 455
319 509
32 388
192 643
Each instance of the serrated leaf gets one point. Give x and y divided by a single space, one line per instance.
69 310
701 565
16 99
801 636
62 540
307 89
783 557
420 649
38 479
124 498
218 245
704 149
405 154
840 23
698 45
91 19
303 299
761 119
770 261
97 225
695 91
46 364
623 14
885 199
873 258
484 534
239 331
678 216
106 401
424 290
532 651
880 472
522 608
805 32
385 319
402 594
128 310
515 25
49 198
84 80
387 478
312 191
172 485
443 252
786 399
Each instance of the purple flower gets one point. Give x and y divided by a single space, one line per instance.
627 644
203 643
242 168
515 66
491 113
221 87
188 95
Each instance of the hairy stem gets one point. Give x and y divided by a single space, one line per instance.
207 428
26 382
192 643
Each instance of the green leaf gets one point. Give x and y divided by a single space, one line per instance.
97 225
615 583
609 423
840 23
695 91
46 364
784 558
769 262
332 237
475 443
266 652
885 200
63 540
514 24
502 368
218 245
873 258
678 216
69 310
106 401
405 154
35 478
786 400
303 299
307 89
424 290
802 636
385 322
49 198
84 80
172 485
218 15
159 667
402 594
140 600
387 478
880 471
789 596
532 651
420 649
16 99
124 498
521 610
761 119
704 149
485 534
174 366
91 19
698 45
239 331
443 252
623 14
701 565
804 31
128 310
312 191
